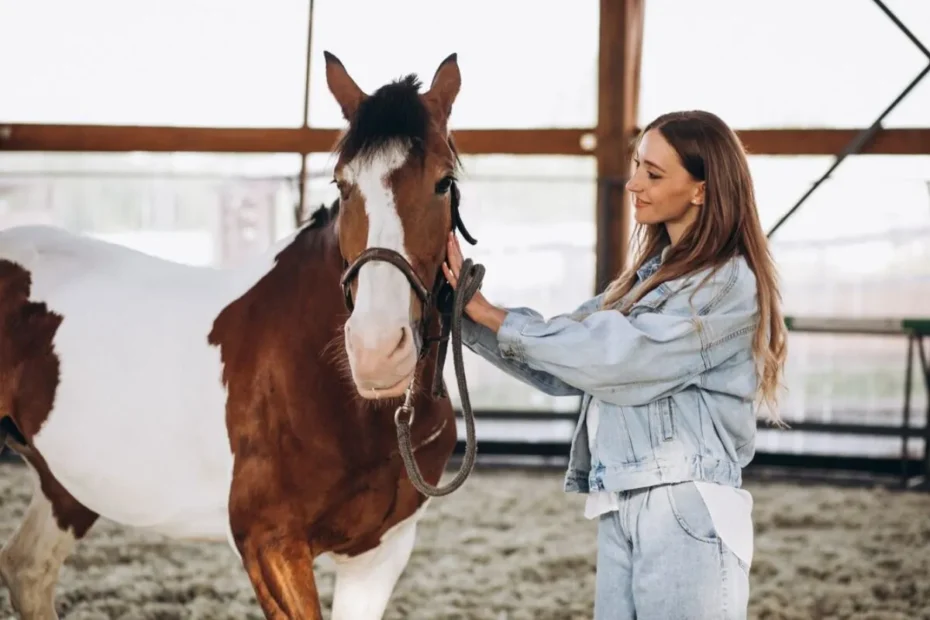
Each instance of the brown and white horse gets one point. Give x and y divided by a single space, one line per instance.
254 405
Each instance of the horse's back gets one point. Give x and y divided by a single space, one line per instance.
57 257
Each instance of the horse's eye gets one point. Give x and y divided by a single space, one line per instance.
343 187
444 184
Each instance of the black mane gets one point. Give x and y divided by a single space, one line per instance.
392 113
312 233
323 215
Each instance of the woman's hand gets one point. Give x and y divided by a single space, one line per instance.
478 309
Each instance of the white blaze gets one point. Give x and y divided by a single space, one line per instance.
382 301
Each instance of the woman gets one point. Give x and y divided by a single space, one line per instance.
671 361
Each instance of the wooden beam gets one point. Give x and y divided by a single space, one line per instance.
525 141
571 141
109 138
619 61
897 141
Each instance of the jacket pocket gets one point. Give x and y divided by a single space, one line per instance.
620 431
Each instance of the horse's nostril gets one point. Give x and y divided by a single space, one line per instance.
402 341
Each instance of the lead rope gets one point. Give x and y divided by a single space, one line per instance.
469 281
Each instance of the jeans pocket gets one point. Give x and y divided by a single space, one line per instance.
691 512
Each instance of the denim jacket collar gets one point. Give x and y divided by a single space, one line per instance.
652 264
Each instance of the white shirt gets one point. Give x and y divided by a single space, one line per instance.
730 508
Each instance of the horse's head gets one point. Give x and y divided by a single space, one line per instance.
395 174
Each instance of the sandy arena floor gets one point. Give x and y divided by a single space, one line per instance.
512 546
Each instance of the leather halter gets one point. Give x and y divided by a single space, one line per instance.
440 297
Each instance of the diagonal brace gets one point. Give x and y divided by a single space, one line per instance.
867 134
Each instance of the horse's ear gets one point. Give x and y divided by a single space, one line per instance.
445 87
342 86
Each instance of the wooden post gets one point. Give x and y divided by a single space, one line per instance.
621 44
300 209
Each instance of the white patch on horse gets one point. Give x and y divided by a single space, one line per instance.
383 299
364 583
32 557
138 429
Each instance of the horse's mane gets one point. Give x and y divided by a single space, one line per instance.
314 230
323 216
393 113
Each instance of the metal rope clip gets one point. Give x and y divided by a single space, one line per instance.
403 409
407 407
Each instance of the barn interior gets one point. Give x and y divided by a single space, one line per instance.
202 132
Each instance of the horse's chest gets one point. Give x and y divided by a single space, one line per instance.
357 524
344 513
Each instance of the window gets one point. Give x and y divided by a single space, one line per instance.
869 224
193 208
830 63
859 247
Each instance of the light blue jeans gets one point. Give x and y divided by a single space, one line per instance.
659 558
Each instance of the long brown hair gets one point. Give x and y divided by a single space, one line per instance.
727 225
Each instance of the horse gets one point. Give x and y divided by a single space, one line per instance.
291 406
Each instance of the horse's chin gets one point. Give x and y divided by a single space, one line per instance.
373 392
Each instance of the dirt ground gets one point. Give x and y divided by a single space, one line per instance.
511 546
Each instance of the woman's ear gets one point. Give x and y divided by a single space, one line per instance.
697 197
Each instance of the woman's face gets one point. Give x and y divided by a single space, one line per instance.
662 191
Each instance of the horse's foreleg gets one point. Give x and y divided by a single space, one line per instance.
31 559
364 583
280 568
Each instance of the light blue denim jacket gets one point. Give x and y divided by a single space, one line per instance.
675 378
